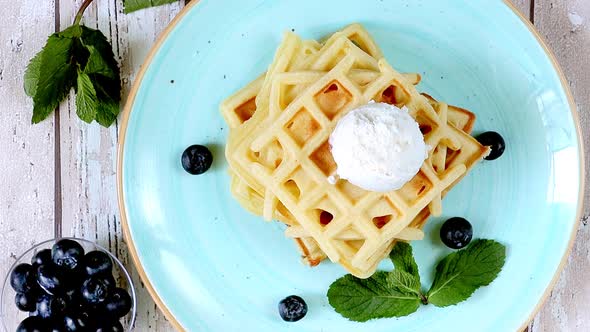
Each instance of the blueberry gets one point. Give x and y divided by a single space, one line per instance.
292 308
51 278
67 253
110 327
93 315
22 278
456 233
196 159
31 324
72 296
26 301
76 322
109 280
56 325
51 306
94 290
97 263
41 258
118 303
495 141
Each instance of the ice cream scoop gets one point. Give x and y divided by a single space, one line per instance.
378 147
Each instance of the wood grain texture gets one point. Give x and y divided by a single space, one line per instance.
524 6
565 25
27 152
88 152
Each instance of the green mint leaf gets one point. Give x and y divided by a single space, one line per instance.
94 40
404 282
97 65
459 274
32 75
403 259
80 58
104 72
107 112
57 75
376 297
133 5
86 100
75 32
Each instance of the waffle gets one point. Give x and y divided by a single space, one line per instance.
253 201
280 158
240 107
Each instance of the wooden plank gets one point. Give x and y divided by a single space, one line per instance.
27 158
565 25
88 152
524 6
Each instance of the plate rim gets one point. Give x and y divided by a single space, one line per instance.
127 109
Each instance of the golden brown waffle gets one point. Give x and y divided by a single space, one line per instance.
294 135
283 151
241 106
254 201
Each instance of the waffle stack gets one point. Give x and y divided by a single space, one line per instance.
280 158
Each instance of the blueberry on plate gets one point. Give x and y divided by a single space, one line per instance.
22 278
495 141
97 263
32 324
456 233
94 290
26 301
41 258
51 278
67 253
51 306
118 303
110 327
196 159
292 308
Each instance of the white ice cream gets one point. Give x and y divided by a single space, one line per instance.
378 147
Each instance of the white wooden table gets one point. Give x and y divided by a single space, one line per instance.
58 178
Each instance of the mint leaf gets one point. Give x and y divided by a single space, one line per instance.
86 100
75 31
459 274
57 76
403 259
107 112
104 72
32 75
404 282
79 58
97 65
376 297
94 39
133 5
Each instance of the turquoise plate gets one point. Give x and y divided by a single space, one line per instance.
211 266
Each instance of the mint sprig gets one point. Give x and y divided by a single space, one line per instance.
398 293
82 59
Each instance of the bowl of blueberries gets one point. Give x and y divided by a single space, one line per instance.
70 285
